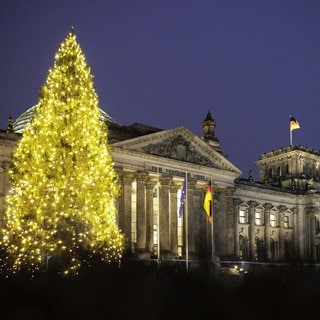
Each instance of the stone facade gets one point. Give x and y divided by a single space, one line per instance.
276 219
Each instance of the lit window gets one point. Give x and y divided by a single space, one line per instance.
243 214
133 213
273 219
258 217
286 222
180 225
156 222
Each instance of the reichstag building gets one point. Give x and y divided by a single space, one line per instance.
275 220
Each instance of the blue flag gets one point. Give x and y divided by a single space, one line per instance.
183 197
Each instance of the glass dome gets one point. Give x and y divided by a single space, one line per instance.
23 120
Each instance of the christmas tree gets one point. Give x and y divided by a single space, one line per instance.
61 207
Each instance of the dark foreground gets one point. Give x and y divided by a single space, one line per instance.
136 291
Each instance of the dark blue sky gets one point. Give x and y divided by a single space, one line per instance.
166 63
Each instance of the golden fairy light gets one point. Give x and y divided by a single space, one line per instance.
62 201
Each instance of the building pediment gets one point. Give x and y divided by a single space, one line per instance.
178 144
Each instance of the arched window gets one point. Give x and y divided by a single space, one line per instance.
287 169
258 248
286 249
279 171
243 247
270 173
317 224
272 249
317 249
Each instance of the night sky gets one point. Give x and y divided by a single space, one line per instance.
165 63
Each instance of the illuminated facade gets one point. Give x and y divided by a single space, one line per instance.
276 219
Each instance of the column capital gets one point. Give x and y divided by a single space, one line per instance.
151 182
252 203
128 177
165 179
236 201
268 206
282 208
5 165
142 176
191 183
174 187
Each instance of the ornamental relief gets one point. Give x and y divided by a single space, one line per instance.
180 149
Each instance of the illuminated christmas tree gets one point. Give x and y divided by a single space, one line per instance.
62 204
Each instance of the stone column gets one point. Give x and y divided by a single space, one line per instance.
164 213
301 232
294 251
150 184
267 229
128 178
233 230
281 233
119 201
251 213
310 230
190 212
141 212
173 219
6 180
200 223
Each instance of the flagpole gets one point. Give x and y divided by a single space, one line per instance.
158 222
212 228
187 233
290 132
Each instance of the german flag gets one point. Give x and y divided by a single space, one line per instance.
294 124
207 204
